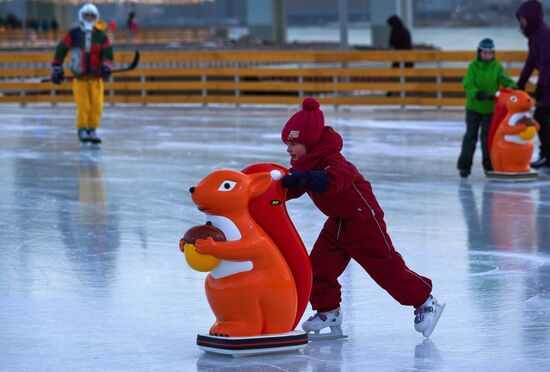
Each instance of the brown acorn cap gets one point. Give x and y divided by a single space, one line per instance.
526 120
203 232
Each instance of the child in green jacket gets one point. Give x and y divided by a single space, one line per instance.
484 78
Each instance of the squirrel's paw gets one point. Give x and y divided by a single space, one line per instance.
229 329
205 246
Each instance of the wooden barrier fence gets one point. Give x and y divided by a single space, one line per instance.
30 38
262 77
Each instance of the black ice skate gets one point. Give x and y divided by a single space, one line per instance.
92 135
464 173
83 135
542 162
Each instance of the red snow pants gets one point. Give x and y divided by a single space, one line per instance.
363 238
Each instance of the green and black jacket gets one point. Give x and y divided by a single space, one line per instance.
89 50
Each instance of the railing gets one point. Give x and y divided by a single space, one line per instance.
30 38
263 77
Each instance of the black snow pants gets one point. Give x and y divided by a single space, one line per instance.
542 116
474 121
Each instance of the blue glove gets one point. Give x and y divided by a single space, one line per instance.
105 71
57 74
316 181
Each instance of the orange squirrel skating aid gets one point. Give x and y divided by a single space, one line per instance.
511 146
252 291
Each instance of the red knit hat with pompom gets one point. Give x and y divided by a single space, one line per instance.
305 126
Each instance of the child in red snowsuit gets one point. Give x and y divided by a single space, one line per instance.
355 227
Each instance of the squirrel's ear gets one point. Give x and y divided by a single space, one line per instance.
259 183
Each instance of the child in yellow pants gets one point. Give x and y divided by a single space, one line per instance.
91 60
88 96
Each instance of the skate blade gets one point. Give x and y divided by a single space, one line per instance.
429 331
89 146
335 333
325 337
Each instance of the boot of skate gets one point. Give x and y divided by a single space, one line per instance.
427 315
93 136
83 135
321 320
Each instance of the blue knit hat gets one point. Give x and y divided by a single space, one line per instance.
486 44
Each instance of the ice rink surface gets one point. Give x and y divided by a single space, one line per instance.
91 277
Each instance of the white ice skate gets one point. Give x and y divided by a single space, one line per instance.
427 315
320 321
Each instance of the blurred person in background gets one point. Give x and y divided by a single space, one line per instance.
54 25
531 20
400 37
132 25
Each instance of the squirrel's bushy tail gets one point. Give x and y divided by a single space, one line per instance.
269 211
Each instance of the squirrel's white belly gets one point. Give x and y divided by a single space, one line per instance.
514 138
226 268
231 232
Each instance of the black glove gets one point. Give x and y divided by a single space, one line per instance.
316 181
539 92
57 74
105 71
521 84
482 96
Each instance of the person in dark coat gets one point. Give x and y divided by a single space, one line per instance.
400 37
355 227
54 25
531 19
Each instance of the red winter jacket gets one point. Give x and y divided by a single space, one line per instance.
356 227
349 195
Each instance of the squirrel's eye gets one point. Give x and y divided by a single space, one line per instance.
227 185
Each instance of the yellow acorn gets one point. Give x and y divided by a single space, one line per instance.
197 261
528 134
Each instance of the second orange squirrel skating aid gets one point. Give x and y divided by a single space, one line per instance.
511 146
